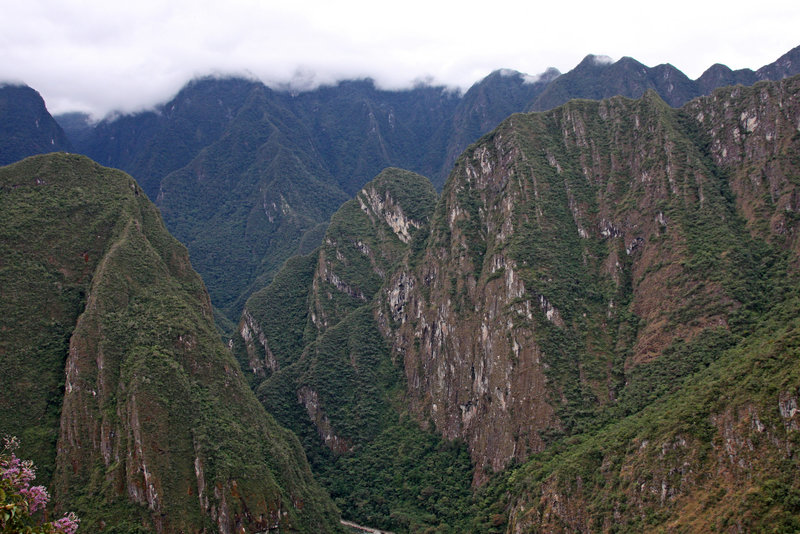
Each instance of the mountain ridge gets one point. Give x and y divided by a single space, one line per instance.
346 133
115 378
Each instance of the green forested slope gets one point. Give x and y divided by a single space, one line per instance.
247 176
716 455
157 428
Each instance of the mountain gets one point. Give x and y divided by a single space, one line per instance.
77 126
598 77
593 327
720 76
485 105
26 127
247 201
719 454
114 375
150 145
360 129
785 66
248 176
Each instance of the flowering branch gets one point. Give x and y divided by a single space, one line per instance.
19 500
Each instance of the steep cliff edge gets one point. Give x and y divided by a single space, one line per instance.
583 260
158 429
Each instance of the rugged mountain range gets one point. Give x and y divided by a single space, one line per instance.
597 77
114 376
246 176
586 275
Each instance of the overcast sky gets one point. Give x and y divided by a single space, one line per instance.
104 55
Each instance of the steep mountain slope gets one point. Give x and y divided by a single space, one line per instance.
77 126
360 130
581 261
248 176
609 286
152 144
158 428
26 127
785 66
719 75
319 363
719 455
248 199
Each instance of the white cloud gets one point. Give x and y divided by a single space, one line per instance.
99 55
603 60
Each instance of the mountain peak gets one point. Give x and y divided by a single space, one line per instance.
594 60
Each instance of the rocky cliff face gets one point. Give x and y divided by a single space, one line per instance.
485 105
158 429
752 134
581 270
573 247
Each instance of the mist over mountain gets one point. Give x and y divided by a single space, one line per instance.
246 175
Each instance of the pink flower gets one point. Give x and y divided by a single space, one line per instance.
18 472
36 496
16 475
9 467
67 524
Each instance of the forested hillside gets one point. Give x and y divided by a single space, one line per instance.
592 327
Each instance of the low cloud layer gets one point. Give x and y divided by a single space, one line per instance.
102 56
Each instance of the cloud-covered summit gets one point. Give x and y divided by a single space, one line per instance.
100 56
